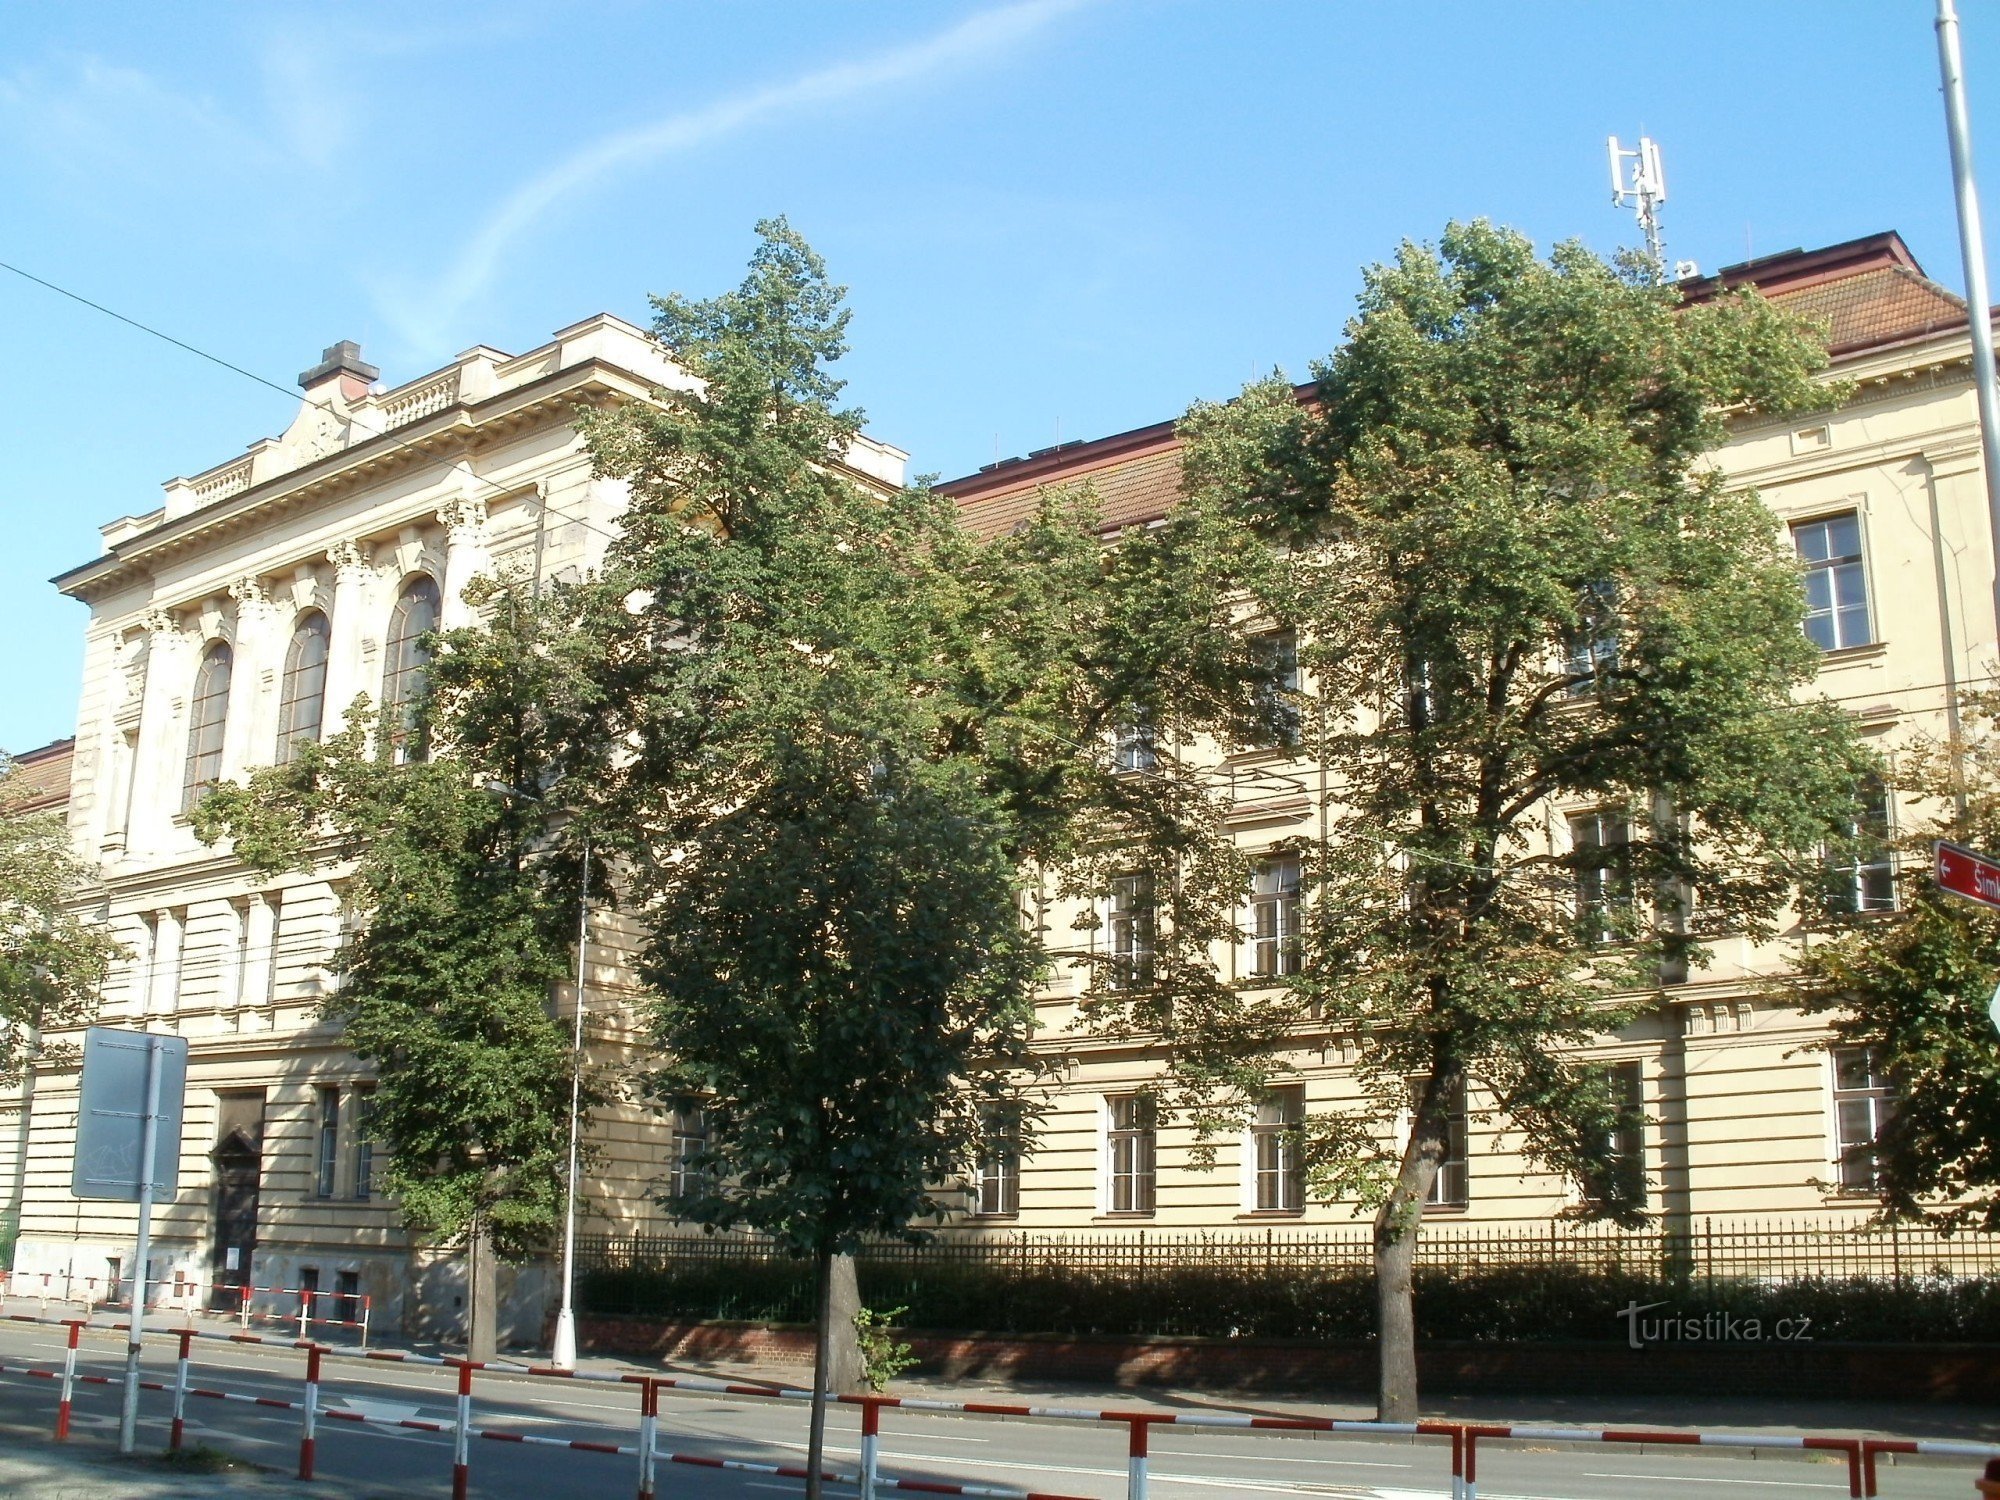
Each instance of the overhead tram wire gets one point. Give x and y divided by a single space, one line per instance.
236 369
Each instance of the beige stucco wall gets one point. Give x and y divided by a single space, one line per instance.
1738 1097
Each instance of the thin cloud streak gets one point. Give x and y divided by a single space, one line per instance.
977 39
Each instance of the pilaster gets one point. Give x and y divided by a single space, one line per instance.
465 557
346 658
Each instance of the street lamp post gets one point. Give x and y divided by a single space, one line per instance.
563 1354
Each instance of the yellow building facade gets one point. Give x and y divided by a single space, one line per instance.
266 592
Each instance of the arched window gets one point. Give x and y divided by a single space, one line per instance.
406 657
302 695
207 715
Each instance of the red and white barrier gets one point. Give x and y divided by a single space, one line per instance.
1850 1447
1871 1448
305 1317
1861 1453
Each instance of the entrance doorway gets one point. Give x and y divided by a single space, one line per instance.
237 1177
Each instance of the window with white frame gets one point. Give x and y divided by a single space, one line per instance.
364 1144
689 1137
1277 654
1130 1153
208 717
1134 747
1128 930
1590 648
1836 581
1625 1145
1863 1098
1449 1189
326 1162
1597 841
997 1174
406 661
1274 917
1860 867
1276 1158
302 689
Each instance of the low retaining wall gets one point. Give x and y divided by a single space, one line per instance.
1875 1372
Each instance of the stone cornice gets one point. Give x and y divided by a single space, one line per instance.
453 433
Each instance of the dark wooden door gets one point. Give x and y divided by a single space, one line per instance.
237 1175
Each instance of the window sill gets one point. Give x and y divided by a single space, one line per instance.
1125 1215
1266 1215
1842 655
1005 1218
1444 1210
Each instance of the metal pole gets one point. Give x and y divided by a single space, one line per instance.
563 1356
128 1418
1972 244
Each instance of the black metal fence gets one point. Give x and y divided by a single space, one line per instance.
1168 1281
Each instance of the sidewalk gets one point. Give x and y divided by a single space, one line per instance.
47 1472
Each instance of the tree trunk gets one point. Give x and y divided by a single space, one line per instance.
822 1360
1397 1224
845 1373
482 1293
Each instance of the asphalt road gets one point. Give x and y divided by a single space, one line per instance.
1081 1459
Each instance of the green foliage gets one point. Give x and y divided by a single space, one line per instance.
1915 986
463 923
882 1358
845 728
1516 583
1294 1299
53 960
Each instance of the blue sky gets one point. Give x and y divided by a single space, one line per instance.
1058 218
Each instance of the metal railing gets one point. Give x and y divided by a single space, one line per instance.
740 1276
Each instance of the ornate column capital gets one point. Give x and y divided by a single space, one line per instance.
349 557
463 514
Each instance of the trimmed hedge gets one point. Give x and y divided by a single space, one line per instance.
1500 1303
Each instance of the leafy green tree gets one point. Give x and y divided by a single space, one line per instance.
1913 985
843 727
464 913
1517 588
53 957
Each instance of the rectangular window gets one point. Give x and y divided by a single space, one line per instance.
1836 584
1134 747
690 1140
364 1144
1277 653
1603 878
1129 931
1449 1187
999 1172
326 1161
1591 649
1280 1166
347 1296
1863 1097
1627 1144
1274 918
1130 1148
1861 868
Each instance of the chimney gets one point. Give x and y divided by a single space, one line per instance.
342 362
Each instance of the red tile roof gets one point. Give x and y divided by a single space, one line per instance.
1870 292
41 777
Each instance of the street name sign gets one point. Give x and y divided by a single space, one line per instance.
1968 873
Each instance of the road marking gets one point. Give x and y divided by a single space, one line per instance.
1266 1458
1790 1484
